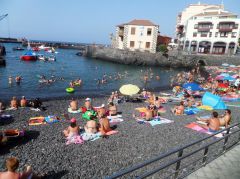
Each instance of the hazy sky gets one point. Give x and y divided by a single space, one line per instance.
89 20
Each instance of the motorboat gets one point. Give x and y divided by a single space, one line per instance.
18 48
29 56
36 49
41 57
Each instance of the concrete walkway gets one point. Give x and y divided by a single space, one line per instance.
226 166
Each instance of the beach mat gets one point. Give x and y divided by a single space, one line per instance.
155 121
115 119
196 127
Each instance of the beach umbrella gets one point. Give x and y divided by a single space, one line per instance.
224 74
225 64
192 87
229 78
129 89
219 77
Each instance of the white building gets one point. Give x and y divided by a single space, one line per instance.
137 35
207 29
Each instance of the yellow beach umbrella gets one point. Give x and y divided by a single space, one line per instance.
129 89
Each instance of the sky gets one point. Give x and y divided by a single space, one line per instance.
89 21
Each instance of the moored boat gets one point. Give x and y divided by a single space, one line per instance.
29 56
18 48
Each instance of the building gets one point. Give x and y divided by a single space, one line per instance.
137 35
163 40
208 29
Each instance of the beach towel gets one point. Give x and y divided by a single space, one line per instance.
198 128
115 119
204 107
75 139
191 111
90 137
51 119
33 121
5 117
35 109
74 112
11 109
156 121
111 132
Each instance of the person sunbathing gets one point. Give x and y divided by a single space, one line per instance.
23 102
112 109
212 123
14 103
72 130
90 130
104 125
87 105
12 165
179 110
153 109
74 105
226 118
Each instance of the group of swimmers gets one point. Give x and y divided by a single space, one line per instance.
18 79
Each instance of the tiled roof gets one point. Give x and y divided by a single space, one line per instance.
139 22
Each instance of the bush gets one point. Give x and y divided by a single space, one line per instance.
162 48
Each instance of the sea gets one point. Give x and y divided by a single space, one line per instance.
68 66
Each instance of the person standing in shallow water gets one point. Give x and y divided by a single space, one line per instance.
10 80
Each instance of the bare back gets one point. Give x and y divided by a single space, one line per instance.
214 124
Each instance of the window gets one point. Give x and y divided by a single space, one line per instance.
210 34
195 26
147 45
204 34
131 43
216 34
133 29
149 31
224 34
194 34
234 34
236 26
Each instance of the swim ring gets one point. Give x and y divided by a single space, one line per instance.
69 90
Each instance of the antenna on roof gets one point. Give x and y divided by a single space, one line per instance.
222 4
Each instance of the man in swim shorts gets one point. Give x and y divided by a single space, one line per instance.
213 123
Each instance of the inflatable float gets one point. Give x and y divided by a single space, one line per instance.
70 90
13 133
51 119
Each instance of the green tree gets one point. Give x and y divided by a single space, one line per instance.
162 48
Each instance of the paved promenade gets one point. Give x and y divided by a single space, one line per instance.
226 166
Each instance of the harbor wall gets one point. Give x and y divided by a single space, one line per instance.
172 59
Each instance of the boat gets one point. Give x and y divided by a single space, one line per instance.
36 49
41 57
29 56
51 58
18 48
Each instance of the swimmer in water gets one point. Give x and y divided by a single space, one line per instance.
10 79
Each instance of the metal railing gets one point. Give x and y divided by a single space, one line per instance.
235 128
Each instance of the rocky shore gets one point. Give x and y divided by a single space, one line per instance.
45 150
172 59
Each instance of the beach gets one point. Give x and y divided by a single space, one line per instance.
45 150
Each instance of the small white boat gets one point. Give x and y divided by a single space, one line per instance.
51 58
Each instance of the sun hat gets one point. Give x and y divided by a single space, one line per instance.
73 120
88 99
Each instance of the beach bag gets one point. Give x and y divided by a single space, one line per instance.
87 115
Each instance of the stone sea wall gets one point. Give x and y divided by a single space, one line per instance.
173 59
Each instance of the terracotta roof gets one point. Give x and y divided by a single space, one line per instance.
216 13
139 22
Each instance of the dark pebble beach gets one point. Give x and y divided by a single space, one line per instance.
44 146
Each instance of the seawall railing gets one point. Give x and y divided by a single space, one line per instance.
181 155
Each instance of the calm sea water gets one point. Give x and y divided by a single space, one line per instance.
70 67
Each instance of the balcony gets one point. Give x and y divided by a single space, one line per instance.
203 35
225 29
204 29
120 33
